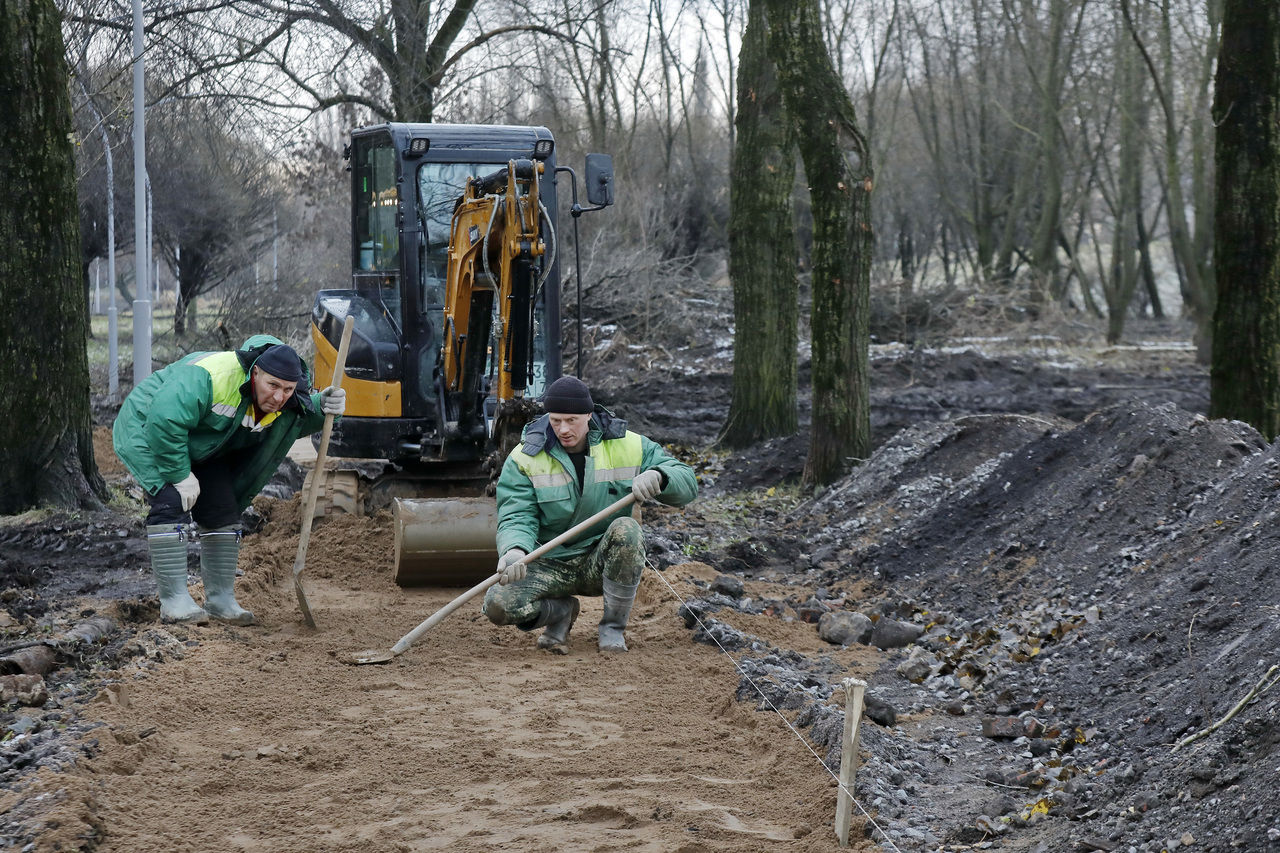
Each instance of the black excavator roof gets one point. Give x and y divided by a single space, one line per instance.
469 140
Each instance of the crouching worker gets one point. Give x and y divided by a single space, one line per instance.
574 461
202 436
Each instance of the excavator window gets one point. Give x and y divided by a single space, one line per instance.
377 239
439 185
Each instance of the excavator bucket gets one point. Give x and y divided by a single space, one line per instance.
444 541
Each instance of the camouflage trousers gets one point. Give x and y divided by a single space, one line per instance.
618 556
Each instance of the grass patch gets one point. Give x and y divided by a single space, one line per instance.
39 515
727 515
166 348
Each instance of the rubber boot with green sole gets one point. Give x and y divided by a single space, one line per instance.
618 598
168 549
219 554
557 615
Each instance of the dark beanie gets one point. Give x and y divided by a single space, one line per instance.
568 395
281 362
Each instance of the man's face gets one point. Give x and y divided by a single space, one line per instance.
270 392
571 430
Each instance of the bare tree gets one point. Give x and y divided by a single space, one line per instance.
957 80
1190 242
837 163
762 250
214 193
46 446
1046 38
1121 280
391 60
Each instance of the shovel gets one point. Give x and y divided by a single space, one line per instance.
380 656
317 474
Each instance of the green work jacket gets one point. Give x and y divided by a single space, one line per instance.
538 493
195 410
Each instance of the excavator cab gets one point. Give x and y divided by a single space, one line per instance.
406 180
455 291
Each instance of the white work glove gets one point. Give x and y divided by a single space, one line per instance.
333 401
188 491
647 485
510 569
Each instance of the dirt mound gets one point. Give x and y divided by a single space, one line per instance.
915 386
1085 598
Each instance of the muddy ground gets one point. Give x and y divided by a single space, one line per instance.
1063 568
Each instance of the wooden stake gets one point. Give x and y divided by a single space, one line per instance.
854 690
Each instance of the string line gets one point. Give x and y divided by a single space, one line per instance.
774 708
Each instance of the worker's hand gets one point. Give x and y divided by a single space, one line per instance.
188 491
510 569
333 401
647 485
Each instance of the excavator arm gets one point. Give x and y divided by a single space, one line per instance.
495 248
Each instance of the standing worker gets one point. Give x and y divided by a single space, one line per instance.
202 436
574 461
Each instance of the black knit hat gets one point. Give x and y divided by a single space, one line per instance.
281 362
568 395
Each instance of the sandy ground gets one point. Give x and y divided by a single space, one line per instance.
259 739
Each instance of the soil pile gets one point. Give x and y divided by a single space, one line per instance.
1079 601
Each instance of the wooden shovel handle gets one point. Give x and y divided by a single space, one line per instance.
317 474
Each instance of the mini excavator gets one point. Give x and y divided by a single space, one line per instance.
455 292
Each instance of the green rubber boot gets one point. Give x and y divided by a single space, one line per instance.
219 554
618 598
557 615
168 549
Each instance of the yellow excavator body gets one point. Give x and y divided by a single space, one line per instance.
455 294
365 398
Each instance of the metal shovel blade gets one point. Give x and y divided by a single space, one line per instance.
366 656
303 604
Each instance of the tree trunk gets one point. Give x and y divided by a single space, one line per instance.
1244 379
1195 274
1050 63
412 96
46 438
762 250
906 253
1124 274
1145 264
192 272
1201 134
417 72
837 163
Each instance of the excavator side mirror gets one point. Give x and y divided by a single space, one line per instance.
599 179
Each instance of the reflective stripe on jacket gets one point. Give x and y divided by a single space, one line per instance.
538 493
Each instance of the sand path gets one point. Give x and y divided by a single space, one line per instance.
260 739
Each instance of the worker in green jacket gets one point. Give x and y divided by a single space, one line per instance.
202 437
574 461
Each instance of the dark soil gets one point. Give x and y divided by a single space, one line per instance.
1085 562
